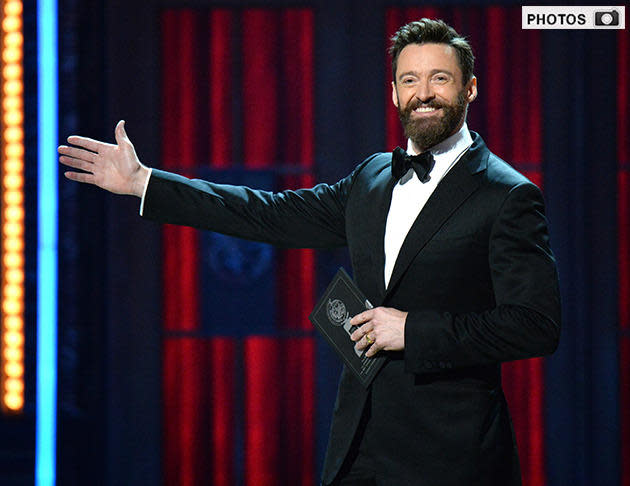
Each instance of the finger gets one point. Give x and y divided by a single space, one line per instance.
361 345
80 177
374 347
120 133
362 318
77 153
365 343
76 163
372 351
87 143
360 332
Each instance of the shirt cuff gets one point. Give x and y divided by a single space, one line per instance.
144 191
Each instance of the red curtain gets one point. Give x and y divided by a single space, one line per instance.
182 358
278 90
623 151
203 383
507 113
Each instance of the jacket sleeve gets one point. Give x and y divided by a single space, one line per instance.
526 319
313 218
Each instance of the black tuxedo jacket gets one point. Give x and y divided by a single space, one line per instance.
476 275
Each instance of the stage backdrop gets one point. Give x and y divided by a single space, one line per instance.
623 224
239 351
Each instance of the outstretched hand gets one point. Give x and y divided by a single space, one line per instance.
115 168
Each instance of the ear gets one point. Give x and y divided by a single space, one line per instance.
394 95
471 90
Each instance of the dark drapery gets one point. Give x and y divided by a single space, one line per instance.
582 408
623 225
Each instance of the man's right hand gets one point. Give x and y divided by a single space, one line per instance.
115 168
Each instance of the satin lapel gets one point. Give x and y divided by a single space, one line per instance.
383 197
450 193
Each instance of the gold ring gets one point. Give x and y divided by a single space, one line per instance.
369 339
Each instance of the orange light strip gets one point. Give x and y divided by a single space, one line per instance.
12 208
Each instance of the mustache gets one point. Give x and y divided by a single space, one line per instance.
416 103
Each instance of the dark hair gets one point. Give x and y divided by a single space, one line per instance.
425 31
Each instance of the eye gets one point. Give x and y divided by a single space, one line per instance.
440 78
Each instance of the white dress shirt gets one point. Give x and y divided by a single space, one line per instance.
410 194
144 191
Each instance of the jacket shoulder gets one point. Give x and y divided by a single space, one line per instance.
498 172
501 173
376 163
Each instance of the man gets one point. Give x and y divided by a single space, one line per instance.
452 247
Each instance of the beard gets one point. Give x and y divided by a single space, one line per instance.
425 133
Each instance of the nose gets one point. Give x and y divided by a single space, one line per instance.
424 91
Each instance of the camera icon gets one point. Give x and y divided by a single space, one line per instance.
607 19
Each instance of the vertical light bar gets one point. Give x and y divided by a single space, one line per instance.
12 204
45 441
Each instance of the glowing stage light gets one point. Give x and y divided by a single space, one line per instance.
47 140
12 214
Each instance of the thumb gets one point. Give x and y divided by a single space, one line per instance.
120 133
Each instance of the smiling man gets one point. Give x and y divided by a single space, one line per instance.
447 240
431 91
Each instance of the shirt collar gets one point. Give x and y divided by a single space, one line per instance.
445 154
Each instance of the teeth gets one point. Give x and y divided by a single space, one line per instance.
427 109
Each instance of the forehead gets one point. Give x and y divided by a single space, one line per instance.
427 57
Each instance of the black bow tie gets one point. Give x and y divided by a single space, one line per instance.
422 164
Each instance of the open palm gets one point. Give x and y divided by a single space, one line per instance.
113 167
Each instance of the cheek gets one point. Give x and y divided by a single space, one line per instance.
448 95
445 95
404 94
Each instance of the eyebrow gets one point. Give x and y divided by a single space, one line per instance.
432 72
